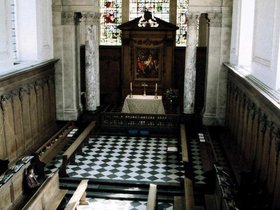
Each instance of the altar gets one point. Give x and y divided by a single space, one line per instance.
143 104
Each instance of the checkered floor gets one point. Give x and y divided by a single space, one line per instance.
101 204
125 159
199 177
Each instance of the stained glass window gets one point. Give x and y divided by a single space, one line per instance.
159 8
182 12
111 17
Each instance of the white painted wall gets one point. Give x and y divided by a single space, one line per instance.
6 58
35 30
263 67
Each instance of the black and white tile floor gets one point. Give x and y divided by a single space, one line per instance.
198 172
101 204
125 159
128 159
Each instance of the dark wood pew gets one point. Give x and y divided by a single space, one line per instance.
79 196
48 196
69 154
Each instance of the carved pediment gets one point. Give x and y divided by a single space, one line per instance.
147 22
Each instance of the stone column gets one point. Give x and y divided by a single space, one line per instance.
92 61
66 48
214 66
190 61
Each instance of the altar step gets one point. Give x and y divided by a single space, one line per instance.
122 190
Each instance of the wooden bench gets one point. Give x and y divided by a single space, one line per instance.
79 196
152 197
48 196
69 154
189 198
185 155
186 202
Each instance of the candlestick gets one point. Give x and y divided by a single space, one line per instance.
156 91
130 95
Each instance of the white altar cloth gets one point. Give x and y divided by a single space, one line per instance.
143 104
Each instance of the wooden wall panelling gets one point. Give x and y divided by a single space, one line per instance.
244 126
235 116
40 109
260 141
263 168
255 135
23 112
17 113
3 148
241 122
24 95
276 192
46 104
9 127
33 116
52 100
110 75
249 138
260 144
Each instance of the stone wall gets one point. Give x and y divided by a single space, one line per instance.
27 110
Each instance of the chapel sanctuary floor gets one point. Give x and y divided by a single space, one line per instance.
120 169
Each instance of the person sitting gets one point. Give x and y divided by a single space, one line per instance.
32 183
38 167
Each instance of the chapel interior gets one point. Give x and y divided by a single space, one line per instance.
140 104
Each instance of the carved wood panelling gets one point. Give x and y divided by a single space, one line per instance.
255 130
27 110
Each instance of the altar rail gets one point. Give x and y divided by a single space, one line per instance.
126 121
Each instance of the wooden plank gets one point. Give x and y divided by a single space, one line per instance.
54 203
185 155
79 192
189 198
152 197
179 203
79 140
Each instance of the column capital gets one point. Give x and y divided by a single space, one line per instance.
193 18
215 19
70 18
91 18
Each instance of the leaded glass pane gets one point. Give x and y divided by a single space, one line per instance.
111 17
159 8
182 11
